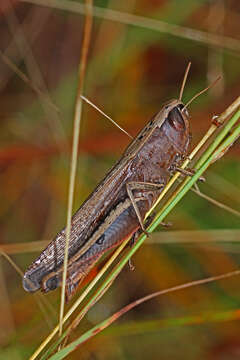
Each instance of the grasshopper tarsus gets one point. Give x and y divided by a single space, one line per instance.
185 172
131 266
189 172
147 223
166 224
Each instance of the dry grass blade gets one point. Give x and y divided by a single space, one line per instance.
28 26
18 270
7 321
217 203
223 186
166 291
77 118
195 237
37 81
24 77
224 42
104 324
20 248
42 303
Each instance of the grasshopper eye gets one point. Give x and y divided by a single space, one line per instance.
176 120
183 109
52 283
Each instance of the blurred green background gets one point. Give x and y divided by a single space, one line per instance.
138 55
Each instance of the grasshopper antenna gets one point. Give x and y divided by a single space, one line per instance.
108 117
184 81
201 92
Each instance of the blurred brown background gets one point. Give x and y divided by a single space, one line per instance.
138 55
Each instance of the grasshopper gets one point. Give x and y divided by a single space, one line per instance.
116 209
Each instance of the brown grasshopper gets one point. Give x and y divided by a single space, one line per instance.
116 208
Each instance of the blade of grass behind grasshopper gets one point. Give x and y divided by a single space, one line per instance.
216 203
45 307
203 37
76 131
157 325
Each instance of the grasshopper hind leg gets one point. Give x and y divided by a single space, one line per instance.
139 232
71 288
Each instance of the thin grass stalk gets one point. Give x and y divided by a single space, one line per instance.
196 237
217 203
24 77
76 131
42 303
